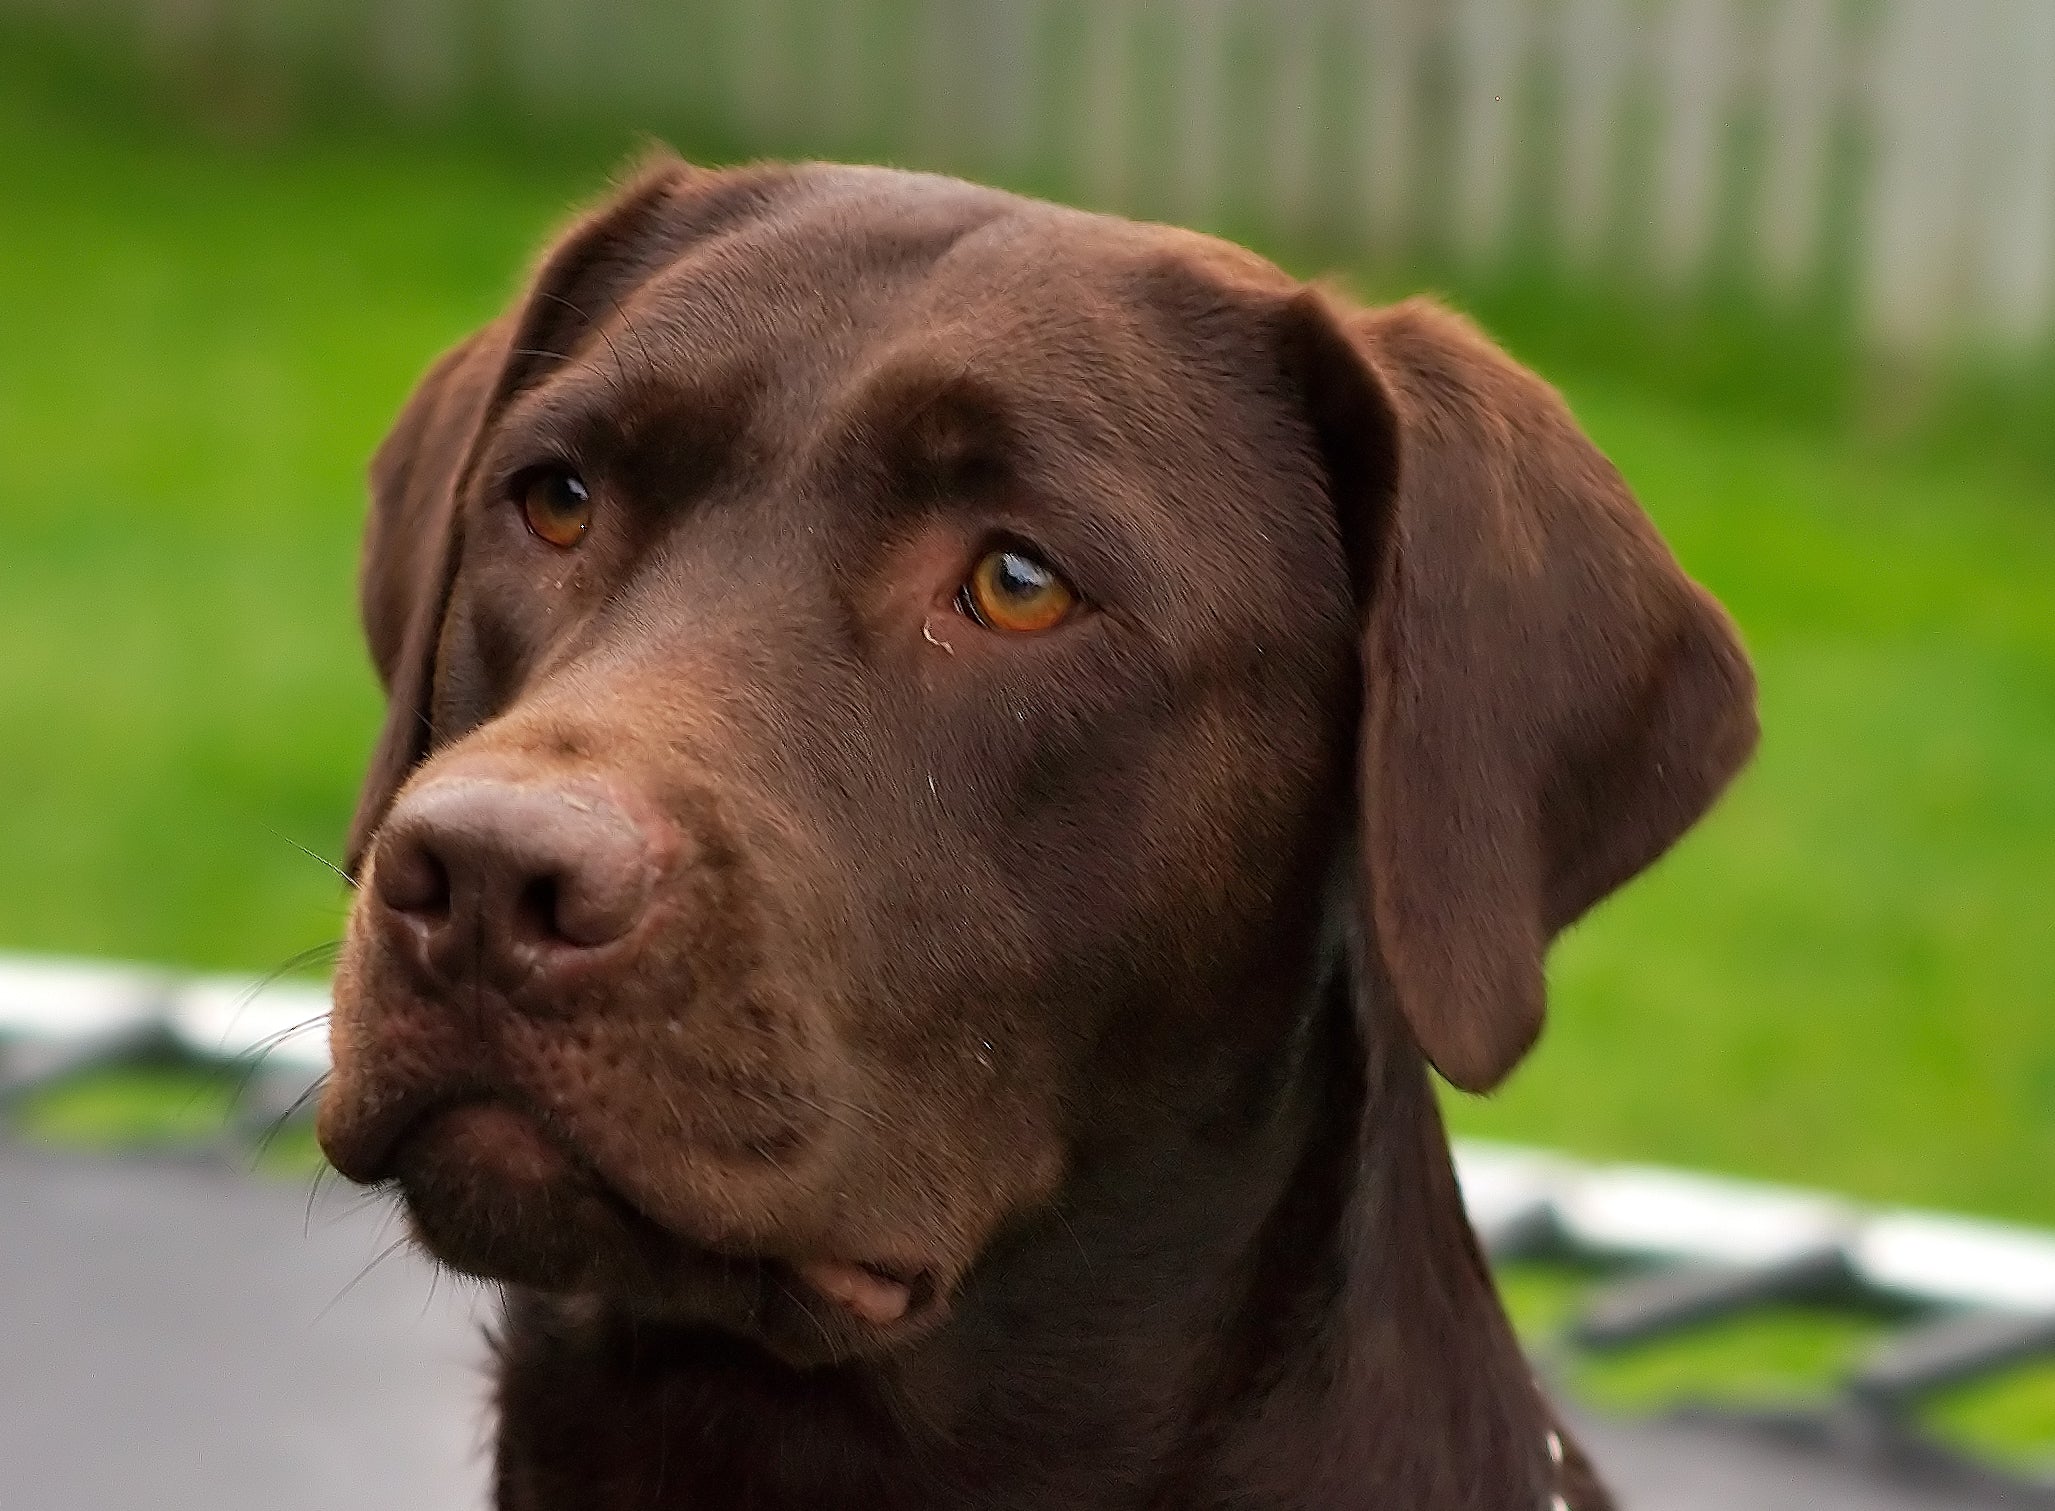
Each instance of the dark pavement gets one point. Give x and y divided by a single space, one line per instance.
176 1338
182 1338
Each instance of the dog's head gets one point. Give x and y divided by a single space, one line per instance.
898 692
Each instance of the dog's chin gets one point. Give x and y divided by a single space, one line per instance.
490 1192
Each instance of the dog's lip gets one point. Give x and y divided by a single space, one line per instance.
877 1292
519 1130
362 1146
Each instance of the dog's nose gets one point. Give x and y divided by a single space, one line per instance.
509 879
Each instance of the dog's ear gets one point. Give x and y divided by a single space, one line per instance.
413 537
409 548
1549 702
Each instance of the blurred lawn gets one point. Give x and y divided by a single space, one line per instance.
203 343
1847 978
1784 1355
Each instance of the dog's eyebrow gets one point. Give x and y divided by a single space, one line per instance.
660 429
930 426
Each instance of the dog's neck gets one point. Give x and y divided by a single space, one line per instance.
1292 1334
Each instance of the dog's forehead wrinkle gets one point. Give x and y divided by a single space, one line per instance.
822 256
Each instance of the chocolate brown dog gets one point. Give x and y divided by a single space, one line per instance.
952 764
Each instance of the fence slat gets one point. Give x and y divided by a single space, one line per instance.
1009 69
1919 107
1593 46
414 53
1698 63
1490 39
1201 111
762 57
1292 108
1108 109
844 103
1392 35
535 36
2013 240
1804 69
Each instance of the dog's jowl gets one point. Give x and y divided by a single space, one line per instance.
952 767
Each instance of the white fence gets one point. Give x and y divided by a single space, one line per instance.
1893 157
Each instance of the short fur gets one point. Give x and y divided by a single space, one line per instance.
734 904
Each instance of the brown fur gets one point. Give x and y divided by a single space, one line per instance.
1087 982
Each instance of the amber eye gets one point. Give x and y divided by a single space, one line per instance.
1012 591
557 507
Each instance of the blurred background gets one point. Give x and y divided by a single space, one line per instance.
1792 261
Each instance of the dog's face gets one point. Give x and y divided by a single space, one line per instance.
879 676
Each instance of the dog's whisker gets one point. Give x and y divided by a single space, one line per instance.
1084 1255
629 326
380 1258
316 856
385 1221
321 1173
892 1157
279 1037
619 386
292 1110
802 1303
250 1060
562 358
359 1200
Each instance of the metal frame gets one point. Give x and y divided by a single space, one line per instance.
1680 1250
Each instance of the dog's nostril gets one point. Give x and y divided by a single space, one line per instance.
535 911
579 909
413 879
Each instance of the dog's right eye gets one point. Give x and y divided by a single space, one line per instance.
556 505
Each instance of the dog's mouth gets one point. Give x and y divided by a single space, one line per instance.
868 1291
496 1190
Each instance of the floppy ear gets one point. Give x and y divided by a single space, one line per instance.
1549 702
409 549
413 536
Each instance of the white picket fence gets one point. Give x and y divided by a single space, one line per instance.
1896 156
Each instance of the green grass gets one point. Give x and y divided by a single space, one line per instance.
1773 1355
1846 978
203 343
1788 1355
2010 1416
158 1106
1778 1356
130 1107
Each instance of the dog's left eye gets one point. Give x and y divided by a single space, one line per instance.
556 505
1012 591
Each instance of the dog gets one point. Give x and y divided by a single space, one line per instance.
952 766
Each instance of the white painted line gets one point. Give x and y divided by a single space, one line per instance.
1507 1189
1958 1260
76 999
1667 1214
283 1023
